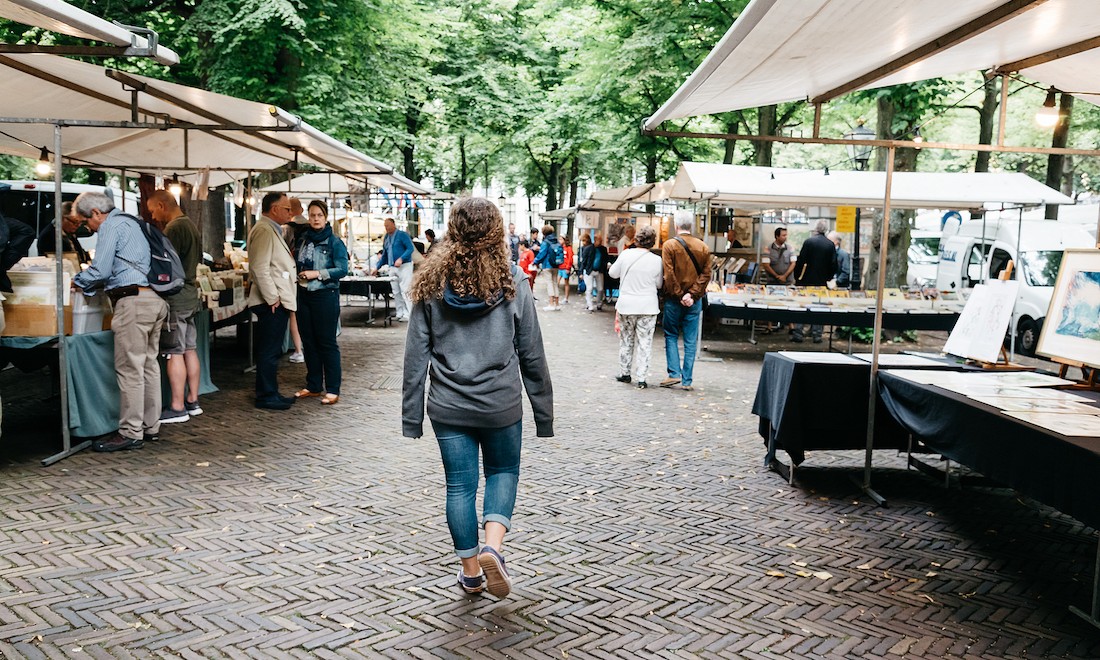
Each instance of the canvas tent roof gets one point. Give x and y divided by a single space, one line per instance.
768 187
47 86
617 199
317 183
57 16
788 50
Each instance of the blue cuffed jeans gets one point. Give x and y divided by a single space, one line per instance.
681 321
500 449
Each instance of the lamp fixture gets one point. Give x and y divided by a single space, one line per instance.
917 137
1047 116
175 187
43 167
858 153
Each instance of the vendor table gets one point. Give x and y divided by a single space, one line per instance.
1057 470
854 318
92 385
369 287
818 401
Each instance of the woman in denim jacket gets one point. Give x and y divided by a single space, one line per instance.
322 261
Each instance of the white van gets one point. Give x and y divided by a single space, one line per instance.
31 202
968 257
924 258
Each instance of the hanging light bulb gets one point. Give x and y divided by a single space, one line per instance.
917 137
1047 116
43 167
174 187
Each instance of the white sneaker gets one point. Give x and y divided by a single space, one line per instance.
297 358
556 308
549 308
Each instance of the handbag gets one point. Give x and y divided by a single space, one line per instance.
581 286
698 270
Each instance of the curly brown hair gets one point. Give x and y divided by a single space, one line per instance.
473 256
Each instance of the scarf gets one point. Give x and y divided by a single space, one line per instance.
310 240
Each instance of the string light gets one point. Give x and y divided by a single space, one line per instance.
1047 116
43 167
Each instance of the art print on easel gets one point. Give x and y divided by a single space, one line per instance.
1071 332
980 330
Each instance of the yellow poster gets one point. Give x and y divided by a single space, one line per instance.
845 219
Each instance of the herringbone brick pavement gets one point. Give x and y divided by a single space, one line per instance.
645 528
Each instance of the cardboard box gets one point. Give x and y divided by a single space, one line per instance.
34 320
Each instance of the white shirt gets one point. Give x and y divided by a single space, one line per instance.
644 276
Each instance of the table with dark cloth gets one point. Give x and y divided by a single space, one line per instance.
90 373
1057 470
369 287
890 320
805 406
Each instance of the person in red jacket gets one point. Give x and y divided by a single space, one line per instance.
565 267
526 262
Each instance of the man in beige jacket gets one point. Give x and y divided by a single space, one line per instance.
271 297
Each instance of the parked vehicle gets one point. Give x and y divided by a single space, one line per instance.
32 202
924 258
969 257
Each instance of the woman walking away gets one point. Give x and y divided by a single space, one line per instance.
473 327
322 261
640 274
587 258
547 269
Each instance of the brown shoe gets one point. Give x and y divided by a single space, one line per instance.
669 382
117 442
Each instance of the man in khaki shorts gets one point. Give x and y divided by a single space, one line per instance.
179 338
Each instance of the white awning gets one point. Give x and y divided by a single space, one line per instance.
770 187
790 50
57 16
47 86
322 183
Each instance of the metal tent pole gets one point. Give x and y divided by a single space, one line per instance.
877 341
67 449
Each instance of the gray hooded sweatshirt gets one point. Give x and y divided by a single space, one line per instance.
481 354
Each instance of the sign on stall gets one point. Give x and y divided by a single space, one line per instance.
845 219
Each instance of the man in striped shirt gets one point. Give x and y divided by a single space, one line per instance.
120 266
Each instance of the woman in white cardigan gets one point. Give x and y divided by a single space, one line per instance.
641 275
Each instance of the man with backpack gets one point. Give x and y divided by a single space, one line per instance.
179 338
121 266
551 255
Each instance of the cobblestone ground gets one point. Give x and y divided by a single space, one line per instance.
645 528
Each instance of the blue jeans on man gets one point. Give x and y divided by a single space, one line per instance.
500 449
681 321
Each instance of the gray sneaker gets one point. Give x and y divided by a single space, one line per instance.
497 580
192 407
169 416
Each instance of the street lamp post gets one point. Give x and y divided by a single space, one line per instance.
860 155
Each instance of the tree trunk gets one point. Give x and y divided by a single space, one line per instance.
552 179
574 180
986 120
412 127
897 238
765 125
731 145
464 170
1056 163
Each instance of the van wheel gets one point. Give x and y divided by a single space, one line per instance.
1028 337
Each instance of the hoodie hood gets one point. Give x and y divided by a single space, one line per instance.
470 304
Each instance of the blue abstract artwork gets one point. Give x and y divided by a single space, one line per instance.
1081 311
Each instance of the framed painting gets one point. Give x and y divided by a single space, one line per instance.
1071 331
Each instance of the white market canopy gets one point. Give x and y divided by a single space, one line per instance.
41 86
323 183
616 199
57 16
770 187
816 50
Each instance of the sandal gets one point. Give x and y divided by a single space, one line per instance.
330 399
305 394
